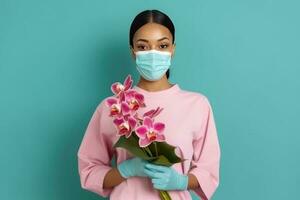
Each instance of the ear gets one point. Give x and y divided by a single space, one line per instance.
132 52
173 49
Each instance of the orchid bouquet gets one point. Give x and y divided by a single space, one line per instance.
142 136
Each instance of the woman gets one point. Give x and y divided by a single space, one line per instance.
189 123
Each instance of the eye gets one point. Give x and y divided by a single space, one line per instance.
163 46
141 47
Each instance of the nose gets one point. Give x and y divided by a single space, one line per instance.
152 47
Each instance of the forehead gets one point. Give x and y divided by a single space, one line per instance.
152 32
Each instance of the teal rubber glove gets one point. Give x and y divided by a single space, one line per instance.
166 178
132 167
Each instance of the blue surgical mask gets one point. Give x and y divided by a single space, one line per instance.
152 64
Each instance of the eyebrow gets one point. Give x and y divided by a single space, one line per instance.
157 40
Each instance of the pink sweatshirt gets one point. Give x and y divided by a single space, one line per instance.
189 124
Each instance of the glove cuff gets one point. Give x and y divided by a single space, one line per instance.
122 170
184 182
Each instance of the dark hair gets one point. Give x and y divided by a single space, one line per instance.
148 16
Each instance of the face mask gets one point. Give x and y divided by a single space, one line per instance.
152 64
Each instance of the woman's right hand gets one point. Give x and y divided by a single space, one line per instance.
132 167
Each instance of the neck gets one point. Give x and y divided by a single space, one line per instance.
153 86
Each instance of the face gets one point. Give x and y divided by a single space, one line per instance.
152 36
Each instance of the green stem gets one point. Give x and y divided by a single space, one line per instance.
155 148
144 150
164 195
148 150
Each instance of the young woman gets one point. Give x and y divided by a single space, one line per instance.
189 123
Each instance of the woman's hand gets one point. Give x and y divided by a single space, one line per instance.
132 167
166 178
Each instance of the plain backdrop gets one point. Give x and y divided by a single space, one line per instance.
58 59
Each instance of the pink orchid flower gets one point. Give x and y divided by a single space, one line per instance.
149 132
134 99
153 113
125 125
117 88
117 108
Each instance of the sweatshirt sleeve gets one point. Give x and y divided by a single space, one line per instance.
206 156
94 155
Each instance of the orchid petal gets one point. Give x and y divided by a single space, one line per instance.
115 87
157 111
122 96
128 82
139 97
150 112
128 134
141 131
148 122
159 127
125 108
160 138
132 122
110 101
118 121
130 93
144 142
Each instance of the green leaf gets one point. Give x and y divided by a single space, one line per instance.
168 151
162 160
131 144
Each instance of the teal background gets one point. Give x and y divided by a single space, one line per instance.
58 59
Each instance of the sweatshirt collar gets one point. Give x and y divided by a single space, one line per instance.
161 93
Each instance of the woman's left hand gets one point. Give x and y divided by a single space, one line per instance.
166 178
